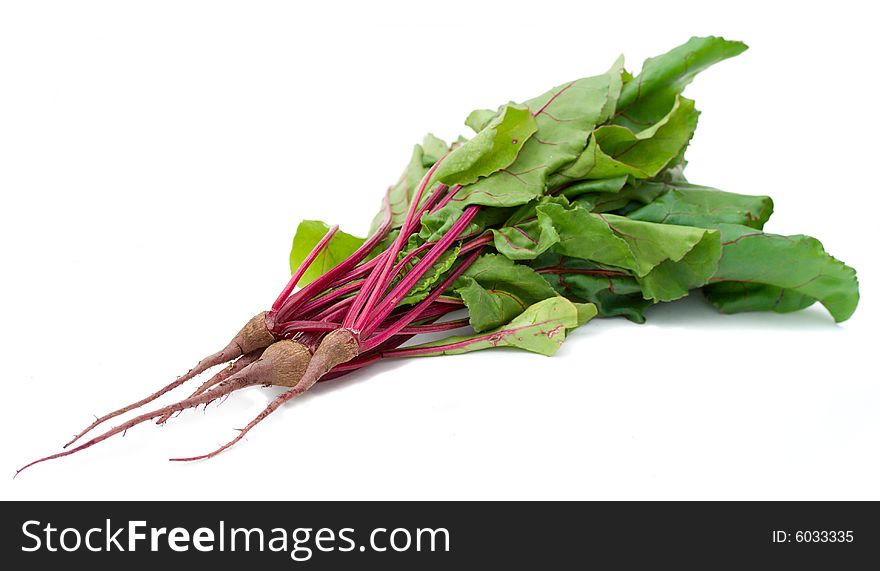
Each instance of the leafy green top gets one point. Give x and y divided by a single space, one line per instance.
585 210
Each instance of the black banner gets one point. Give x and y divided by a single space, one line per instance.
422 535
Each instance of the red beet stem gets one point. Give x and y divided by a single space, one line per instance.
368 322
326 280
303 267
437 196
417 310
379 279
434 327
475 243
449 196
311 308
409 258
295 326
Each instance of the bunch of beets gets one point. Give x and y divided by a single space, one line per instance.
561 208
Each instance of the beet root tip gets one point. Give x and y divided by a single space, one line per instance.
338 347
255 335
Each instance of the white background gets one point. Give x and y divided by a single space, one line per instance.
155 158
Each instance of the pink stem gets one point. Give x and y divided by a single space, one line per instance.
303 267
368 296
346 266
297 326
409 280
361 298
412 224
436 196
422 351
408 258
401 264
471 245
449 196
324 300
365 359
350 367
437 310
358 272
435 327
450 301
335 312
420 307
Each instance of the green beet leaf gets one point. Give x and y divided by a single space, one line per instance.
632 196
565 116
667 260
436 224
479 118
596 186
400 195
422 289
528 232
650 95
552 223
612 291
653 244
493 148
782 272
673 279
738 297
527 239
541 329
692 205
495 290
670 259
308 234
615 151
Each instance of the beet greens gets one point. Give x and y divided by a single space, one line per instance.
562 208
